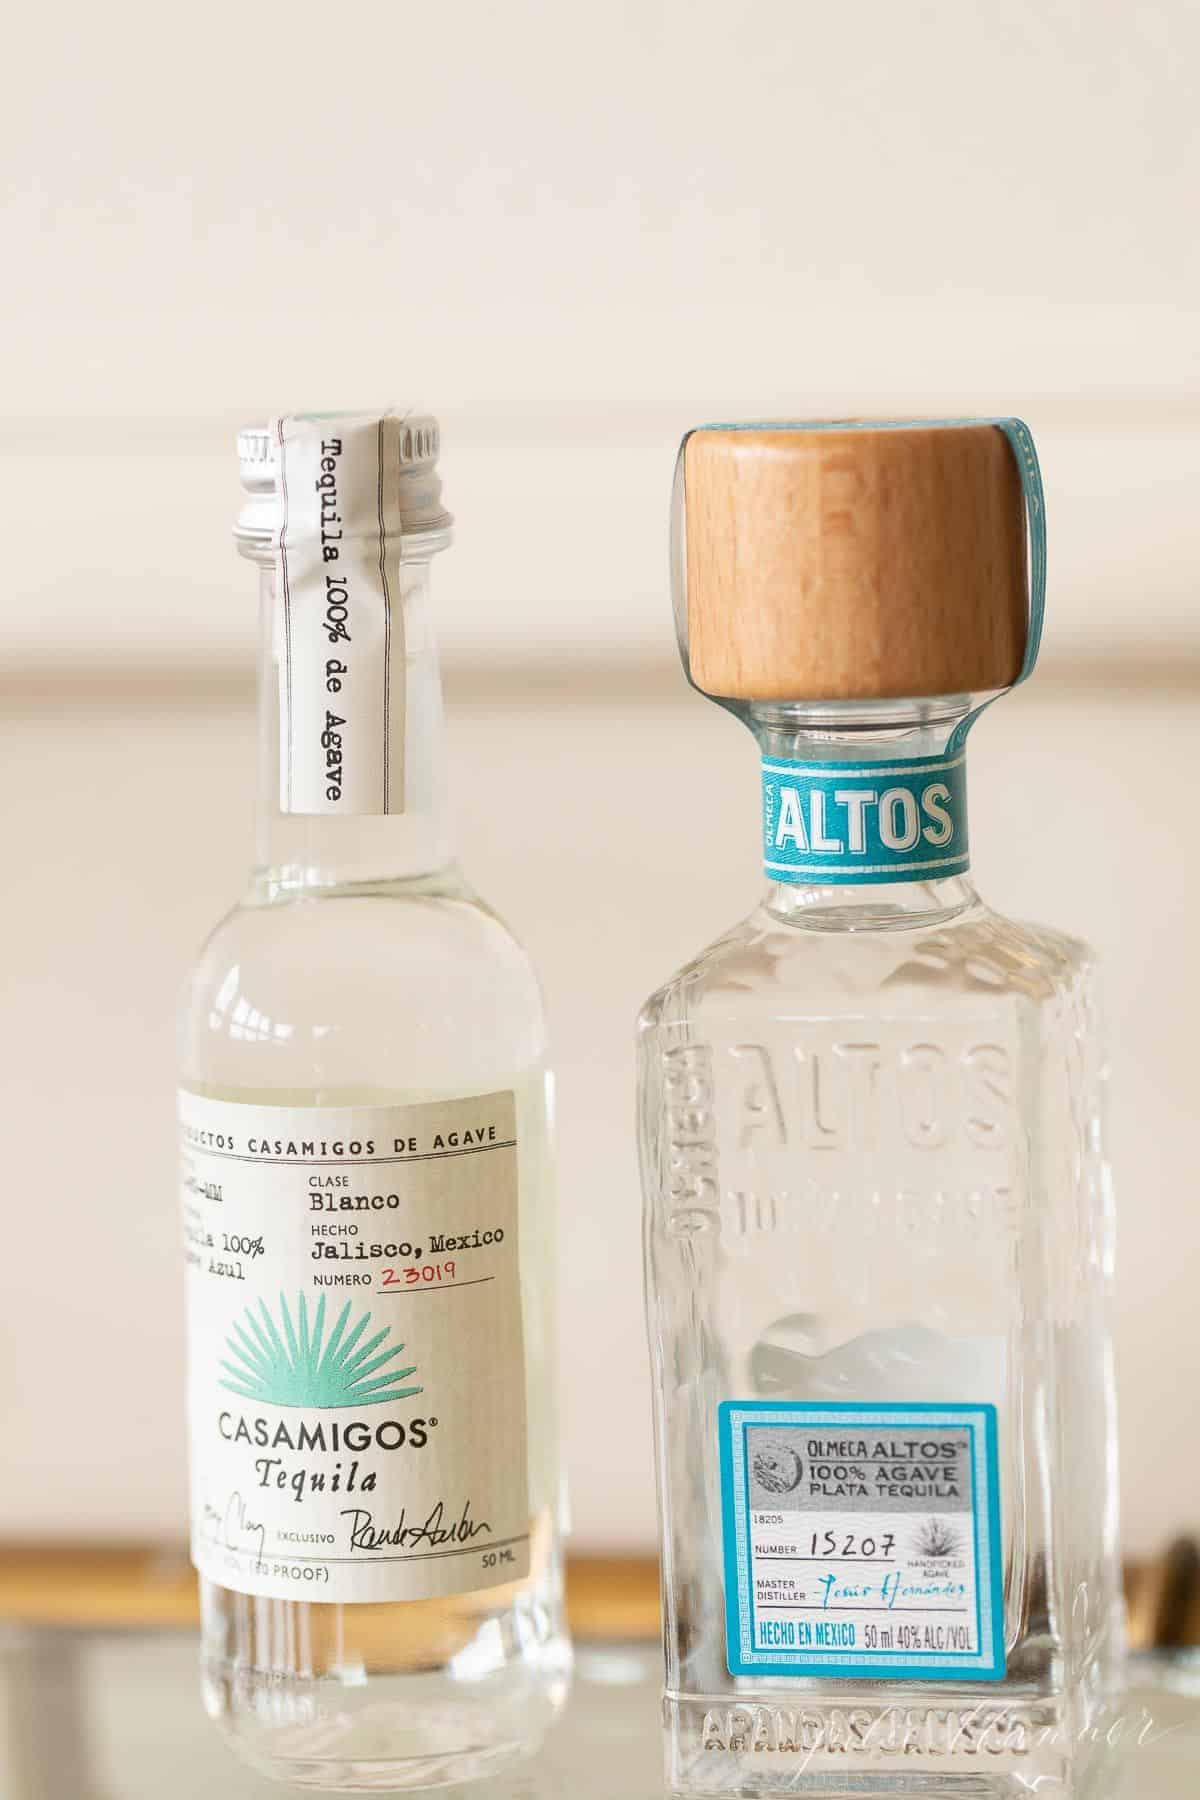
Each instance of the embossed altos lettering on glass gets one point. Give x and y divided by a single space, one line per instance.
877 1217
366 1188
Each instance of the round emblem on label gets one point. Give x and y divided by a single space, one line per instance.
777 1468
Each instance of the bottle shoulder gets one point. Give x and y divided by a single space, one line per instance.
977 958
403 978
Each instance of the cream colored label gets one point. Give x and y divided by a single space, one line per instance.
356 1362
340 618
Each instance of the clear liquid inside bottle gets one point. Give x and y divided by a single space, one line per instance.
873 1173
360 970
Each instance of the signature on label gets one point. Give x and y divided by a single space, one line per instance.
436 1532
235 1529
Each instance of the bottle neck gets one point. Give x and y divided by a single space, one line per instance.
864 812
298 851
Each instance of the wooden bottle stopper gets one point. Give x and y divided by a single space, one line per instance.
864 563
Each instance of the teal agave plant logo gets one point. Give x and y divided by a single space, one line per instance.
290 1363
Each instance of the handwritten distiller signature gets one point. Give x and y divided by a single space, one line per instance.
439 1530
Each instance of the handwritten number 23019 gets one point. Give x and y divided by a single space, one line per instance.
420 1275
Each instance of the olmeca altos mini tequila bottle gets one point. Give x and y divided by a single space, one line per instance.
367 1187
878 1229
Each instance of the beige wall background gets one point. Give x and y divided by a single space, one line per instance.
572 231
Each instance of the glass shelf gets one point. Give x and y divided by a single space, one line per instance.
116 1716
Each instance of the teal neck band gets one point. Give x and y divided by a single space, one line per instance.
861 823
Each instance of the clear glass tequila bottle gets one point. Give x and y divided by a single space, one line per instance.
877 1218
367 1188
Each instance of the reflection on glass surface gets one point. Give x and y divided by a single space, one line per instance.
113 1717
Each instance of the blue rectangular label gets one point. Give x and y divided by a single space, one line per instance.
849 823
862 1540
